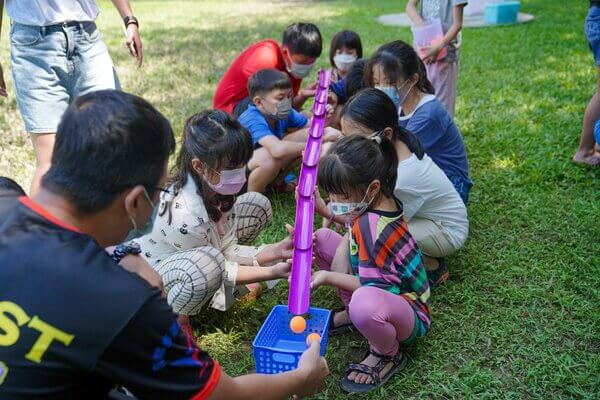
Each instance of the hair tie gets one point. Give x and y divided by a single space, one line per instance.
376 138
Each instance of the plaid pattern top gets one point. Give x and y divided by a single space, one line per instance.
385 255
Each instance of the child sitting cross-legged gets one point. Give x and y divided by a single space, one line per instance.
278 131
377 266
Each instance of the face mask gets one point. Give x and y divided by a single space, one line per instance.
282 109
132 220
393 93
343 62
231 181
350 211
300 71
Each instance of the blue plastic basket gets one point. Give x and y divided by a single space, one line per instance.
277 349
501 12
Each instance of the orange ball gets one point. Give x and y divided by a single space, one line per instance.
298 324
313 337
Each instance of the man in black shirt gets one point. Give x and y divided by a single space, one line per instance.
74 323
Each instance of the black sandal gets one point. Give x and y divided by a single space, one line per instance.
398 361
339 330
439 275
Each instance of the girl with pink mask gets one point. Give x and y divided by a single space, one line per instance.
200 239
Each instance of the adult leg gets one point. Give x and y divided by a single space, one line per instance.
585 152
43 145
40 69
443 76
385 320
192 277
263 170
93 67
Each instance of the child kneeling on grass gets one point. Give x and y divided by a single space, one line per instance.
200 242
278 131
377 267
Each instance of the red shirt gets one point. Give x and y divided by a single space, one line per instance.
233 86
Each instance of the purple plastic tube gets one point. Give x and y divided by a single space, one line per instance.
299 295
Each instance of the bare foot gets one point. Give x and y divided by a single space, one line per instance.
371 361
587 158
431 264
341 318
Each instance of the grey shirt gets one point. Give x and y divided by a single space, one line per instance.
444 11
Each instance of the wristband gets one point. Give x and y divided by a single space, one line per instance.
129 20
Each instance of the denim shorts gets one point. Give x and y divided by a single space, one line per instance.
462 186
52 65
592 32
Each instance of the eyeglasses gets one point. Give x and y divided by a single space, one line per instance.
161 190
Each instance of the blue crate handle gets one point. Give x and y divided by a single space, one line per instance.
284 358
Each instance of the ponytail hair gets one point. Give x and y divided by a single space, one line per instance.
356 161
399 60
219 141
374 110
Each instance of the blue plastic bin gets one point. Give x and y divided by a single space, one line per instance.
277 349
501 12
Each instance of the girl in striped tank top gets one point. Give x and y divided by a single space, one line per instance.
377 266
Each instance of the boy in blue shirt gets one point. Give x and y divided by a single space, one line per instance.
278 131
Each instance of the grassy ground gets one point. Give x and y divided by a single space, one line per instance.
519 317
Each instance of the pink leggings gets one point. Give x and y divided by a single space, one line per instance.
384 318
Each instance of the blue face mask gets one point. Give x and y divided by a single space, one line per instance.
393 93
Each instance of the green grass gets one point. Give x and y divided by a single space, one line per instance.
520 316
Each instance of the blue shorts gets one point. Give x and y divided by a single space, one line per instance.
592 32
462 186
53 65
597 132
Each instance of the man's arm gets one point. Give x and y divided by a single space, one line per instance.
304 95
306 380
2 83
132 34
413 13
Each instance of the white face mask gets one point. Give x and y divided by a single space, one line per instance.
343 62
300 71
351 211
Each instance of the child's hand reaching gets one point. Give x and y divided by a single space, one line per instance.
286 246
282 269
320 205
331 134
319 278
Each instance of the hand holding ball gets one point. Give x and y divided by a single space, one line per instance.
313 337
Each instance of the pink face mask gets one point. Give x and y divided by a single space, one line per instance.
231 181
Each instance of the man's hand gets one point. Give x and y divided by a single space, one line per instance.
134 43
3 91
309 91
314 368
